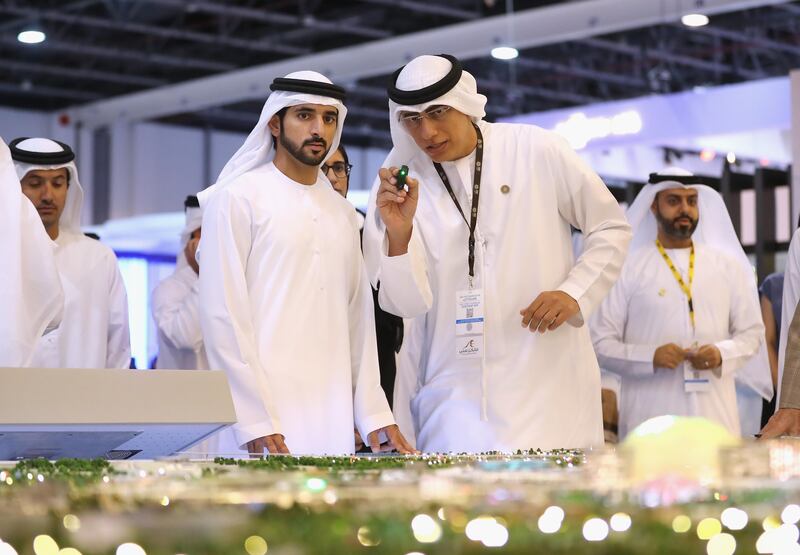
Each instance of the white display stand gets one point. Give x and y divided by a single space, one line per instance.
118 414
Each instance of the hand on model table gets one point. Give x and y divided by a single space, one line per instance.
395 441
274 444
548 311
785 422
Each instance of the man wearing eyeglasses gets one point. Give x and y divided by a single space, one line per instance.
337 170
477 249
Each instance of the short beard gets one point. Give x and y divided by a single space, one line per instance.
297 151
671 228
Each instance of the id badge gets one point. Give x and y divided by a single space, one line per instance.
469 312
695 381
469 323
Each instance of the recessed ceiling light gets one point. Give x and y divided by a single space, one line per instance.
694 20
504 53
31 36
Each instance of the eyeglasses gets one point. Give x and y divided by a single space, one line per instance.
340 169
412 120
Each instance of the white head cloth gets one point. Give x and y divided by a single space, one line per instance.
30 289
257 149
714 229
194 220
419 73
70 221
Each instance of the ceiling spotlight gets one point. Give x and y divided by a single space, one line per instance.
504 53
694 20
30 36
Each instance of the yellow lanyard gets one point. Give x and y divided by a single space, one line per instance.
687 290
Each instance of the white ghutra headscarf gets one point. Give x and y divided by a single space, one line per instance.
46 154
299 87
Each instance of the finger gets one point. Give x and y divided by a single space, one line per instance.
280 444
541 318
774 428
271 447
390 195
386 173
374 443
401 444
390 185
558 321
396 440
388 447
540 306
548 318
527 315
256 448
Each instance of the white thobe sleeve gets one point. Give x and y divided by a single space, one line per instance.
370 408
608 335
407 379
118 351
404 286
745 323
225 316
402 281
587 204
176 311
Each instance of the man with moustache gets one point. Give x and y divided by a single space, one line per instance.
285 303
683 323
477 250
94 330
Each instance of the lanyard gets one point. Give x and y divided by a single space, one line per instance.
687 290
476 191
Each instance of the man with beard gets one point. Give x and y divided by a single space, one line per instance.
285 303
683 321
476 251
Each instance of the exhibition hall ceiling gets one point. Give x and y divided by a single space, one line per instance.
100 49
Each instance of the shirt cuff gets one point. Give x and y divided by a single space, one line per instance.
245 434
576 293
729 352
369 424
643 354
